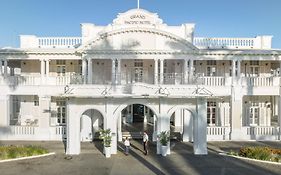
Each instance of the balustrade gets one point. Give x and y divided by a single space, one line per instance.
224 42
59 42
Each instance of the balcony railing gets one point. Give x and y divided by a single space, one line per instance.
123 79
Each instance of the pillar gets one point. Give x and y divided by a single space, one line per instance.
1 67
190 75
44 116
236 114
178 118
84 70
154 135
119 128
118 76
187 126
279 115
238 69
233 70
185 72
73 129
113 71
5 67
47 68
42 69
200 128
155 71
161 71
5 111
90 71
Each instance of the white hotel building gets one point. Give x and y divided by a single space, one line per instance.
139 71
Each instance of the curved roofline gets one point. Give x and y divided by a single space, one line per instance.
137 29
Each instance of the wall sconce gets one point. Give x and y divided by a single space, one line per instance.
151 65
223 64
98 63
125 65
200 64
178 63
71 63
246 102
24 63
266 64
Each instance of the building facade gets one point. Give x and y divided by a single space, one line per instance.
139 71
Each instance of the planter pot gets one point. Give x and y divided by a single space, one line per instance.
164 150
107 152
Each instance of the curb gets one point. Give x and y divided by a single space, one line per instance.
24 158
255 160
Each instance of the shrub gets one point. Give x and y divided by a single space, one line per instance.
9 152
261 153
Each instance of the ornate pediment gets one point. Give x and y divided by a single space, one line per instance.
138 39
137 17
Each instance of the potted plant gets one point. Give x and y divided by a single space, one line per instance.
164 138
105 135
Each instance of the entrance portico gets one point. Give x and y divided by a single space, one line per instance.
162 108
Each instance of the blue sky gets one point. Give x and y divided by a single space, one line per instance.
213 18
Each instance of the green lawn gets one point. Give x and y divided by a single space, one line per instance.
11 151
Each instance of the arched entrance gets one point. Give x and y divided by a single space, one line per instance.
182 125
134 119
91 122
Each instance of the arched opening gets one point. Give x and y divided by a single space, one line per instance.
91 122
181 125
135 119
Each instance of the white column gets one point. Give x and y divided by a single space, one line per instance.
279 115
233 70
154 136
280 69
5 67
155 71
238 68
161 71
113 71
187 126
5 112
119 128
118 76
90 71
190 70
84 70
42 68
185 72
236 114
144 116
47 68
1 67
178 118
73 129
200 128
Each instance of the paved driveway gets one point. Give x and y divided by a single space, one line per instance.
181 161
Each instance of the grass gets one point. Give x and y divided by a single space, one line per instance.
259 153
11 152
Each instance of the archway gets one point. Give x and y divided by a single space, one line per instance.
181 125
91 122
136 118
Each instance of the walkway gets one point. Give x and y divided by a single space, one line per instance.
181 161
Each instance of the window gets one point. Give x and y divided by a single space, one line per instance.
254 114
211 113
138 70
61 111
60 67
36 100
